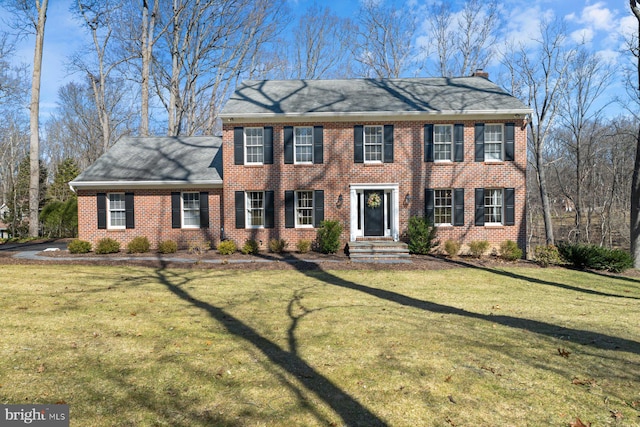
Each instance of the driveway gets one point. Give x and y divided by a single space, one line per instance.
36 246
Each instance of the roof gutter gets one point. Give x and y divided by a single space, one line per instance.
121 185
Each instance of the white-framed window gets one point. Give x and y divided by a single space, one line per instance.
442 142
116 211
373 143
493 204
303 144
191 210
443 207
304 208
493 146
255 209
254 145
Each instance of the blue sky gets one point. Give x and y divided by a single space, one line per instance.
600 23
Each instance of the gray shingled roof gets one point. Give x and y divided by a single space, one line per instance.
370 96
191 160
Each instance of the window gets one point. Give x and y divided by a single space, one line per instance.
443 207
116 210
492 143
255 208
254 145
373 140
304 208
442 142
493 206
191 210
303 144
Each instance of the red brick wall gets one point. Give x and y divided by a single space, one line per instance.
408 170
152 211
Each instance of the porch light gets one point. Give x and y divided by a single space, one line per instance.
407 199
339 202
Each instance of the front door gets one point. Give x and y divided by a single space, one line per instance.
373 213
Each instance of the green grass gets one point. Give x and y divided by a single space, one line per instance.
135 346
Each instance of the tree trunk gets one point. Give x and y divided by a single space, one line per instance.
544 197
34 146
634 227
148 29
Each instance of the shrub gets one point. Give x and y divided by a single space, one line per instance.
107 246
167 247
421 235
303 246
250 247
77 246
227 247
277 245
477 248
328 236
509 251
596 257
199 247
138 245
452 247
547 255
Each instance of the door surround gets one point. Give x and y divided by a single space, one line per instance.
356 215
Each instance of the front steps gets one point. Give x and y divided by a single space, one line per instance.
381 251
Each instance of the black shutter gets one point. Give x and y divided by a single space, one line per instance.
128 211
318 145
358 144
479 142
238 146
509 141
318 207
429 205
458 206
268 145
288 145
428 143
509 206
239 209
479 206
176 217
101 199
289 209
458 143
388 144
269 210
204 209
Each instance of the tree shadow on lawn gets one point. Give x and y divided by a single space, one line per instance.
537 281
352 412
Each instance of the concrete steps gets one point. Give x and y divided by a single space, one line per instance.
381 251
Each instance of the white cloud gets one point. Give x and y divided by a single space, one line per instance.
584 35
598 16
523 24
609 56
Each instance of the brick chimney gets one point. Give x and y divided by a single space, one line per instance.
480 73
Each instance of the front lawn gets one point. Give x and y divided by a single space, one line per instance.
134 346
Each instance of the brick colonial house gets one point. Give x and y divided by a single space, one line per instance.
367 152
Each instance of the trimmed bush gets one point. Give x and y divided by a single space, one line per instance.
199 247
452 247
547 255
227 247
77 246
328 236
167 247
138 245
596 257
421 235
277 245
509 251
477 248
250 247
303 246
107 246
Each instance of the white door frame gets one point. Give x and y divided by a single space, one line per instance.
355 190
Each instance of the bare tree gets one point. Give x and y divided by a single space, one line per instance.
538 77
464 41
634 231
384 44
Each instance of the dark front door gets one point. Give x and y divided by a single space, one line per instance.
373 216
